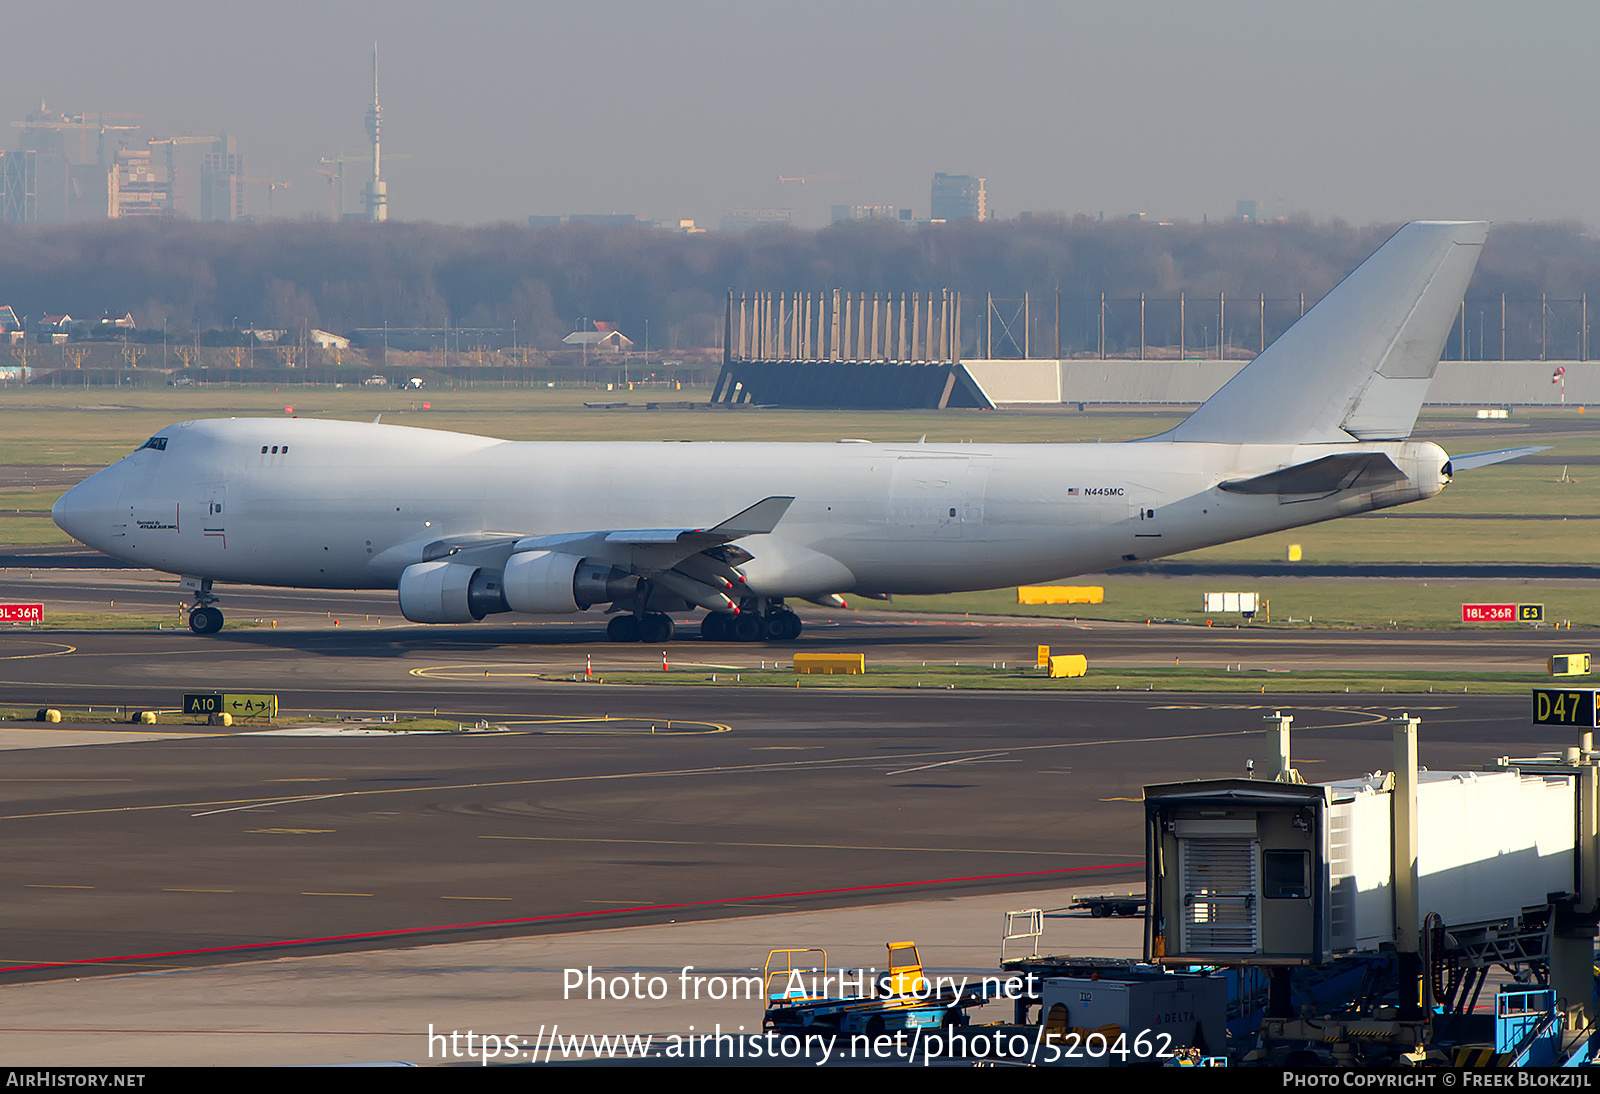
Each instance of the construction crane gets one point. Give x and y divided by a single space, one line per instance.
272 185
172 156
803 179
335 191
41 119
336 176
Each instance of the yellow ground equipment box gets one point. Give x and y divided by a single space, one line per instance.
1569 664
1072 664
1044 657
1061 594
847 664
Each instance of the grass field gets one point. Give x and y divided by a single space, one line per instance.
1515 512
1295 603
963 677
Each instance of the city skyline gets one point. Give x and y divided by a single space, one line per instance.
496 111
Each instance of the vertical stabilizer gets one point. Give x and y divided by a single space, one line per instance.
1356 366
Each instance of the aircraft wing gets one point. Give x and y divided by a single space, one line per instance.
760 518
685 561
1484 459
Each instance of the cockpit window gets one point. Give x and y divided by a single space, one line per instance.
157 443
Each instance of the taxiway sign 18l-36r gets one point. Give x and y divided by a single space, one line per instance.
466 527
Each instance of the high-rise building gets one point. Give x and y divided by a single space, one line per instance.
869 212
135 187
222 181
742 220
19 187
958 197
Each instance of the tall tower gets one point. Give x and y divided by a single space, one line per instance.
377 194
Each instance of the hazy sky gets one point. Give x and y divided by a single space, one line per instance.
1371 111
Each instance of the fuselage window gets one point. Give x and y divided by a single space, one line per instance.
263 450
157 443
274 450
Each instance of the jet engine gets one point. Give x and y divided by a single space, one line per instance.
539 582
549 581
450 592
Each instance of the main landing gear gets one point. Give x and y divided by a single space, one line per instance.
758 620
753 624
652 628
205 618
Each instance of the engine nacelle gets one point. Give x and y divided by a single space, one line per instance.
546 582
449 592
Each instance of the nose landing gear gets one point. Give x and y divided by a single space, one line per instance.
204 619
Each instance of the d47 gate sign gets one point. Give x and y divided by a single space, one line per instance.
1564 707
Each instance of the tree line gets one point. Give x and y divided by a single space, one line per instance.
545 282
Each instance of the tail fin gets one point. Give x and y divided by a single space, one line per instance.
1356 366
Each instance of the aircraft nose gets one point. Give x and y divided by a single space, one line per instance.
85 512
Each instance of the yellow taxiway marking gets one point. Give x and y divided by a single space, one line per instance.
65 649
791 846
199 890
262 803
474 898
1122 799
43 886
467 672
947 763
670 725
290 831
819 763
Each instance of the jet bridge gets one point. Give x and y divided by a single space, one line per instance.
1264 873
1417 882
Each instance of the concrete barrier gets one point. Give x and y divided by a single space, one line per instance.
846 664
1061 594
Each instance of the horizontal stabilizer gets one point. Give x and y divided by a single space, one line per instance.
1357 365
1329 475
1484 459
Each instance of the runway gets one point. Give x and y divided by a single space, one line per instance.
605 805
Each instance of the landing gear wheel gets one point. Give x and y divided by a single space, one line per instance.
205 620
717 627
747 627
656 628
783 626
623 628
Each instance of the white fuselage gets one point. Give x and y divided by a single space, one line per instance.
351 505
